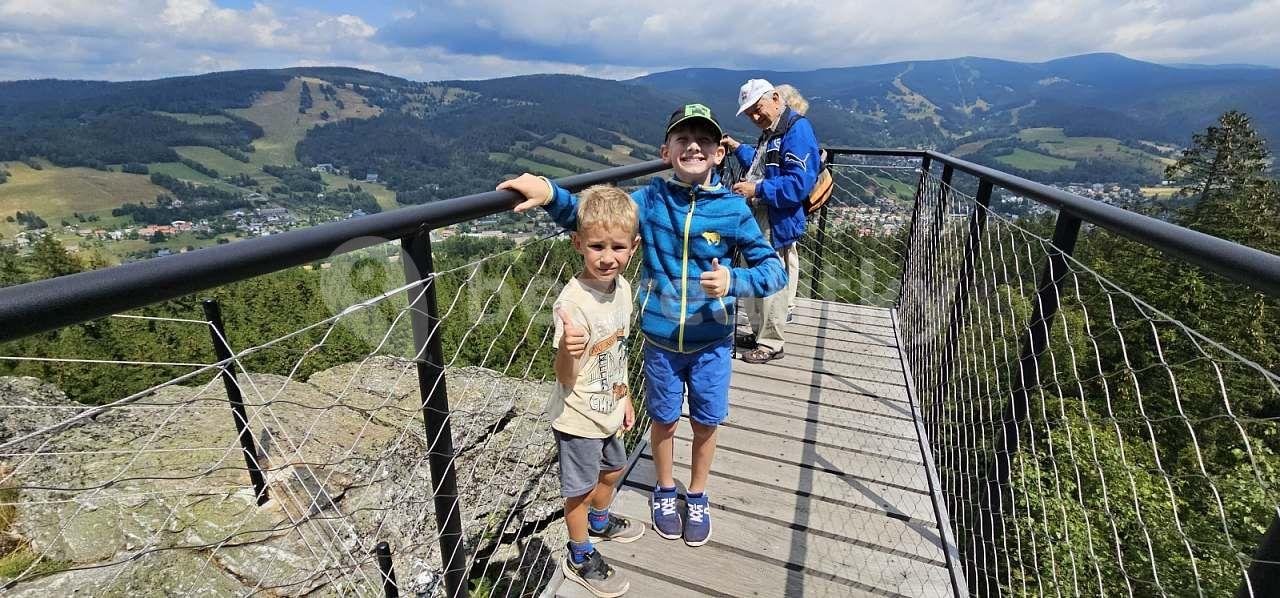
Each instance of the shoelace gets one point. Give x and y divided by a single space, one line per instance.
596 568
696 512
668 505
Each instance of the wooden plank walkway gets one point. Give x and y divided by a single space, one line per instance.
819 487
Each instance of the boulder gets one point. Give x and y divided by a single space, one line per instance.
161 485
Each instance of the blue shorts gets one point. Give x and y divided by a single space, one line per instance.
705 374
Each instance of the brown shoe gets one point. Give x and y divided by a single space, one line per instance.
761 354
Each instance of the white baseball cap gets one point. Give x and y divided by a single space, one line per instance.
751 92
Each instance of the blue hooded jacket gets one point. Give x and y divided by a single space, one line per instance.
683 228
792 163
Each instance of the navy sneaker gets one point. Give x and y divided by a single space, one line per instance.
666 514
698 529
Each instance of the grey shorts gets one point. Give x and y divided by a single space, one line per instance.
582 460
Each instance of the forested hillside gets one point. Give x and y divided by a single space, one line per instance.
1084 119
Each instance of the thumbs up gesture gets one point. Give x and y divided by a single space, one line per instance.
715 282
574 339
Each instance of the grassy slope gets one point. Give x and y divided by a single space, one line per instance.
196 119
283 127
620 154
55 193
386 197
224 164
1025 160
1055 142
900 189
561 157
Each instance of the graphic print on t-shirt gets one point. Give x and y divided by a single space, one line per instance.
609 356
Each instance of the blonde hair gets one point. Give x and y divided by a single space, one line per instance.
791 97
609 207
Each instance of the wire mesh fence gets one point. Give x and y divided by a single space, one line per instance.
1087 441
1082 436
149 492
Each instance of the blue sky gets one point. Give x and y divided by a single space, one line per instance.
138 39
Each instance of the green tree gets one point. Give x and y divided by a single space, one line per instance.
11 272
1219 169
50 259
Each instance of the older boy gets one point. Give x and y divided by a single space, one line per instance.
592 401
691 226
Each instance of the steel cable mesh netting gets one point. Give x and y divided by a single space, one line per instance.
1131 456
851 260
149 494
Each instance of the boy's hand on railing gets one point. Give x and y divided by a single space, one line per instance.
573 339
715 282
535 189
628 415
746 189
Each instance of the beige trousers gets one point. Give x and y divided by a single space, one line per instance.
768 316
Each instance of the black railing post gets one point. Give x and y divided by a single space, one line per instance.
1034 343
960 293
429 356
213 313
389 588
925 164
950 346
1263 576
816 273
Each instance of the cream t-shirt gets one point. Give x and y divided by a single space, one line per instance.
593 408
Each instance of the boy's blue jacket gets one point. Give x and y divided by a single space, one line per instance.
683 228
791 167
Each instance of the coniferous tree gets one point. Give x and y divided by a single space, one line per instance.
1220 169
49 259
10 267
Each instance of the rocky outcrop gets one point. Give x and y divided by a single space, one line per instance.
153 498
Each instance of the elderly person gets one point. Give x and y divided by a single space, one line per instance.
780 173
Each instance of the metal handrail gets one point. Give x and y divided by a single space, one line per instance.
1251 267
56 302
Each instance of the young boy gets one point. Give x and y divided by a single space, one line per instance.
591 402
692 226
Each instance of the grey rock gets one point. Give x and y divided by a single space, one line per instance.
163 484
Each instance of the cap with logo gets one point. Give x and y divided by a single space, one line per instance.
751 92
689 112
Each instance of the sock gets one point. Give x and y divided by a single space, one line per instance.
693 495
579 551
597 518
666 490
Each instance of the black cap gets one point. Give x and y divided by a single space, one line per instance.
693 111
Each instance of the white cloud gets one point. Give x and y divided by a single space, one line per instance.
485 38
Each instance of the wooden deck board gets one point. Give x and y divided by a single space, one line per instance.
867 525
801 354
854 566
746 383
838 346
763 430
851 487
861 380
818 486
745 404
